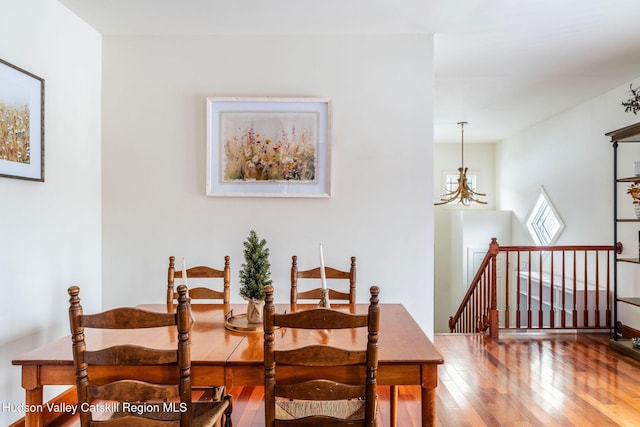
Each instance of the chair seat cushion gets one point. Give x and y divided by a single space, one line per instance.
343 409
205 414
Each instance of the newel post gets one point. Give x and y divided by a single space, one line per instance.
494 249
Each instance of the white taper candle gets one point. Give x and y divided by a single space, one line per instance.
323 277
184 271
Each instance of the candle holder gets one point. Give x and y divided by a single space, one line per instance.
324 298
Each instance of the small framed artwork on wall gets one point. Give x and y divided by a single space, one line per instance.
21 123
268 147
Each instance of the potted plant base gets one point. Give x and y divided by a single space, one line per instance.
255 308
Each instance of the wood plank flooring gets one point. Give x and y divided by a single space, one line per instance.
521 380
536 380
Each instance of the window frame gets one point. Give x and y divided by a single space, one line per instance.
543 206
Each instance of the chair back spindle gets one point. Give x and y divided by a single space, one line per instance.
201 272
331 274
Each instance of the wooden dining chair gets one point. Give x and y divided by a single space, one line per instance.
137 396
330 274
202 293
200 272
319 384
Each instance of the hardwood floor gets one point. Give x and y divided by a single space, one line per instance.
521 380
536 380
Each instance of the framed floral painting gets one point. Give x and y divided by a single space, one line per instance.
268 147
21 123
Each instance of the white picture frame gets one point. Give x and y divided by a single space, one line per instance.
21 123
268 147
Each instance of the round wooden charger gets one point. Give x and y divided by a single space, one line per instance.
239 323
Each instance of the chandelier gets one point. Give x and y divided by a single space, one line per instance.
462 194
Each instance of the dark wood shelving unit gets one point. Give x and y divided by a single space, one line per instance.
621 334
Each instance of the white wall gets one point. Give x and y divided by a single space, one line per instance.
50 232
154 202
450 242
571 157
459 233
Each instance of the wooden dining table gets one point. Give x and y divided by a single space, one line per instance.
220 355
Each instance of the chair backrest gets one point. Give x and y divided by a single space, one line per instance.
131 386
200 272
320 371
330 273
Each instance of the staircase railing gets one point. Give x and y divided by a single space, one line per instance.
538 287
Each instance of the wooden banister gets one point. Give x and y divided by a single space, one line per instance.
537 292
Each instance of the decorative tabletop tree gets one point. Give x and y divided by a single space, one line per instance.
255 274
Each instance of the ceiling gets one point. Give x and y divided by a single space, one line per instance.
501 65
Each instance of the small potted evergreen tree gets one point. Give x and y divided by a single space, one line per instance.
254 276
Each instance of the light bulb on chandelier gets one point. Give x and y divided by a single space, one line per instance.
463 194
